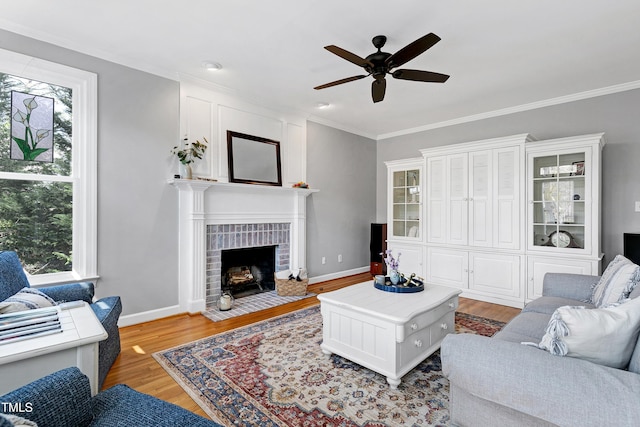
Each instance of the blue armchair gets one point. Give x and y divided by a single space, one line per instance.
107 310
64 399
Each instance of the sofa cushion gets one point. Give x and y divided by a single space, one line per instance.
108 311
80 291
634 362
59 399
618 281
12 277
548 305
606 336
120 405
527 326
26 299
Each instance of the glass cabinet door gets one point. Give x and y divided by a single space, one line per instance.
560 196
406 203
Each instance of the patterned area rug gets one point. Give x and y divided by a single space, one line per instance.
273 373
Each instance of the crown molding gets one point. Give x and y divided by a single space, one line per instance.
335 125
519 108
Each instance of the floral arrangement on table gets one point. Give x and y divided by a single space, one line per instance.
399 282
188 152
392 266
300 184
392 263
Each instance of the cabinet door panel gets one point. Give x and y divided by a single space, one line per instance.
458 199
436 200
480 198
404 210
448 267
410 260
480 233
508 205
563 197
537 267
495 274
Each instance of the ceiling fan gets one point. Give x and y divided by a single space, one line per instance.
379 64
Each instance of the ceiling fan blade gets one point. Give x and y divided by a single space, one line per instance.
351 57
378 88
412 50
420 76
339 82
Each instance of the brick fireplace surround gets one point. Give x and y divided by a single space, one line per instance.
239 236
214 216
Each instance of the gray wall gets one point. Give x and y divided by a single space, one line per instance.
138 123
137 211
342 166
616 115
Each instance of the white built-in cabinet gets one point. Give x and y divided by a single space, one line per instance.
474 217
473 197
405 213
563 208
488 216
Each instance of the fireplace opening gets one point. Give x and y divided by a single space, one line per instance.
247 271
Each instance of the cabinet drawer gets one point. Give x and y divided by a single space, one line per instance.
425 320
420 344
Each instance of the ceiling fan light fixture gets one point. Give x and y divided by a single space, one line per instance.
211 66
380 63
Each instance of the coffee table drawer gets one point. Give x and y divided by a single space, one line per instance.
421 343
425 320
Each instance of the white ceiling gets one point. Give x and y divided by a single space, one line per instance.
502 55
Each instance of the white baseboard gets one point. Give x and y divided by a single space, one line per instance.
338 275
147 316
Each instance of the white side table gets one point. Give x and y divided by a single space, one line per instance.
389 333
77 345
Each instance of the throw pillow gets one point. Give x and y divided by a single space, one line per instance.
601 335
26 299
16 421
618 280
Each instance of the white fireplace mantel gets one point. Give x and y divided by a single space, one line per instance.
203 203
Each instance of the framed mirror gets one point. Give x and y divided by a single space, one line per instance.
253 160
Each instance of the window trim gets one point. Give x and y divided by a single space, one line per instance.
84 86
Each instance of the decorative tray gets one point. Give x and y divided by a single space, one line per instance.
402 287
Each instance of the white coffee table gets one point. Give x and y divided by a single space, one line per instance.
389 333
77 345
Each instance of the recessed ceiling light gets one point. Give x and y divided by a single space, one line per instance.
212 66
322 105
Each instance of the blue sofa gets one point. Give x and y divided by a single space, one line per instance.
107 310
498 381
64 399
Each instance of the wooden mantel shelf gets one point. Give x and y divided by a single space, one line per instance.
203 185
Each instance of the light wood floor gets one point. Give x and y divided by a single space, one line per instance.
136 368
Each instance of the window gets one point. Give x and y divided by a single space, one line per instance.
48 176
